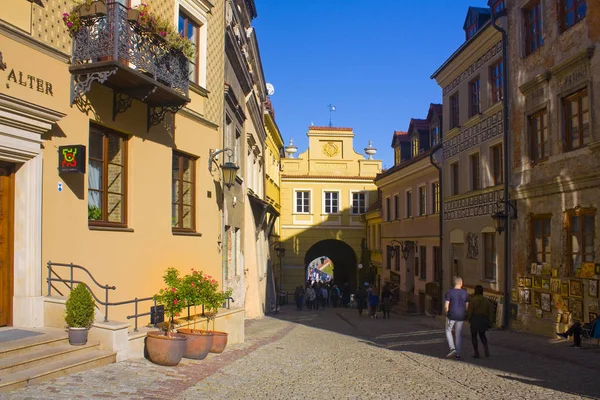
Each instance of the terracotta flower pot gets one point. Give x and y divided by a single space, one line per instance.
165 349
96 8
198 343
219 341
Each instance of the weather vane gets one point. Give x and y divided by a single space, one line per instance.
331 108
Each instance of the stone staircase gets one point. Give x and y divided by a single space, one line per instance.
49 355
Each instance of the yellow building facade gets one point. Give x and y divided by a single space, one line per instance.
373 261
144 197
324 193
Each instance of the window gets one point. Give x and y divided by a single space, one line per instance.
541 239
475 179
409 204
190 30
359 204
497 164
415 147
416 265
390 255
454 179
538 136
435 197
498 6
388 210
582 236
303 201
533 28
571 12
183 198
331 202
496 81
435 135
107 181
397 258
397 207
397 156
422 200
577 120
471 31
423 262
454 112
474 105
437 263
489 251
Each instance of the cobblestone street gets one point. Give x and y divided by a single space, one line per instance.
334 354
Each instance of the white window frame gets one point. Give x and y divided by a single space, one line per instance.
339 202
197 10
419 187
294 200
366 194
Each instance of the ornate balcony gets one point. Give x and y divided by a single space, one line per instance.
114 51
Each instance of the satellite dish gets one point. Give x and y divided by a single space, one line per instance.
270 89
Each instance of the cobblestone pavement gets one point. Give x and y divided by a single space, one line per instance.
335 354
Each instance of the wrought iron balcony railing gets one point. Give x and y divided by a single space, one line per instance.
114 51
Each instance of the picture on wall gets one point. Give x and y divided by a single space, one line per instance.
514 295
537 281
555 285
521 281
576 308
527 282
564 288
545 283
546 302
555 272
527 296
539 313
546 269
587 270
575 288
593 288
597 269
537 301
533 268
565 318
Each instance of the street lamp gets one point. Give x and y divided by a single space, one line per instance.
500 23
228 168
405 247
500 217
358 268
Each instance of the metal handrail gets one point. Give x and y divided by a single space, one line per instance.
106 303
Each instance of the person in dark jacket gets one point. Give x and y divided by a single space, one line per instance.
479 315
386 300
361 299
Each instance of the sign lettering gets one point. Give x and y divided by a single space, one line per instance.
30 81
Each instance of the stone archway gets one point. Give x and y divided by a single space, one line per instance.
341 254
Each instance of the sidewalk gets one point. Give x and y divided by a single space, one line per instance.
553 348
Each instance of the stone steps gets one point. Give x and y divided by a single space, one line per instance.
35 359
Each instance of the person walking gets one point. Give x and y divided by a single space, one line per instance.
300 300
479 315
324 296
456 305
386 300
317 299
361 299
335 296
310 297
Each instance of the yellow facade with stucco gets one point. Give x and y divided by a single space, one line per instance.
35 49
329 165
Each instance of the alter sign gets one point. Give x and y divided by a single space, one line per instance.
71 159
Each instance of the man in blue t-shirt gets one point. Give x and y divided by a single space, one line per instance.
456 304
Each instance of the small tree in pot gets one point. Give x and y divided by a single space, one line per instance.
79 314
166 347
215 299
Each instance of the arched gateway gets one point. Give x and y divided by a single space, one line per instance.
342 256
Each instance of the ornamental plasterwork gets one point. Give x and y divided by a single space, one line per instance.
492 51
472 246
486 129
330 149
472 206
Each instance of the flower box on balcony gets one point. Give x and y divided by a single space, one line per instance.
94 8
133 15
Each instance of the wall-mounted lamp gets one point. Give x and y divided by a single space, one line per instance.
501 217
405 247
228 168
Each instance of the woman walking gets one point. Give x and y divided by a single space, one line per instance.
479 315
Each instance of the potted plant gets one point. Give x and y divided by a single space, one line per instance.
79 314
199 342
215 299
87 8
166 347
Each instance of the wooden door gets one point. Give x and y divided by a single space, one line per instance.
6 243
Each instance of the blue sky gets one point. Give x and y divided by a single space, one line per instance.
370 59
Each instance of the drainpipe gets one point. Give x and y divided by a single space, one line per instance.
441 214
505 150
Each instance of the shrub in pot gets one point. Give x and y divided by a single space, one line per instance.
199 342
215 299
79 314
166 347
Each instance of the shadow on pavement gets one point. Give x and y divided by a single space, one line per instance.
531 359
